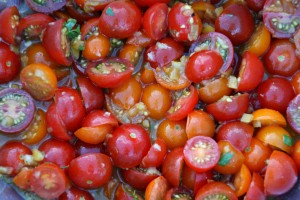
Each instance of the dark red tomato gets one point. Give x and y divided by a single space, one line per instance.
56 43
128 145
281 17
251 72
155 21
215 190
110 72
217 42
9 21
183 105
91 170
236 22
239 134
46 6
120 19
139 178
275 93
16 110
91 6
125 192
89 27
85 148
69 106
31 26
76 194
148 3
163 52
155 155
229 107
203 65
292 113
58 152
93 96
178 193
201 153
295 81
77 13
48 181
256 188
172 166
255 5
183 23
10 63
281 174
281 58
11 154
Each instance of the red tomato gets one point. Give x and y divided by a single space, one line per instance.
178 192
148 3
229 108
120 19
216 190
184 104
125 192
183 23
236 22
75 194
48 181
239 134
281 174
256 188
156 189
296 82
85 148
77 13
296 154
9 21
203 65
140 38
110 72
10 63
201 153
155 21
128 145
251 72
91 170
163 52
292 113
56 43
255 5
172 166
92 6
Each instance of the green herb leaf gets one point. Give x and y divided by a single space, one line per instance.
109 11
70 24
225 158
288 140
72 34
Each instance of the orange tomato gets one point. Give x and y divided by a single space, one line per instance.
22 178
199 123
147 75
296 82
265 116
93 135
242 180
296 154
131 53
96 47
157 189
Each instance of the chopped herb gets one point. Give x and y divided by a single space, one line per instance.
109 11
225 158
288 140
71 32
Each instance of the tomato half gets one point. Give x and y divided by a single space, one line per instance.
256 188
199 123
9 21
75 194
216 190
157 188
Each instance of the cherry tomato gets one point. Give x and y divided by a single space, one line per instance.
183 23
157 100
85 148
147 74
239 134
281 174
120 19
148 3
96 47
296 82
48 181
265 116
295 154
231 158
75 12
131 52
236 22
229 108
125 192
256 155
157 188
110 72
93 135
91 170
216 190
256 188
140 38
9 21
10 63
184 104
201 153
281 58
39 80
292 113
178 193
45 6
128 145
172 132
155 21
275 93
203 65
22 178
75 194
91 6
242 181
255 5
11 154
199 123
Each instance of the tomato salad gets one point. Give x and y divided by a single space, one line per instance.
144 99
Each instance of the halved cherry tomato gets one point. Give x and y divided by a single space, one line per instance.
9 21
199 123
178 193
93 135
292 113
216 190
256 188
22 178
148 3
131 52
242 181
265 116
296 82
77 13
45 6
125 192
96 47
75 194
140 38
92 6
255 5
147 74
296 154
157 188
201 153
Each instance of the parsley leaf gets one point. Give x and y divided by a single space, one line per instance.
225 158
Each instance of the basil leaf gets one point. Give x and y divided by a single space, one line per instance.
225 158
288 140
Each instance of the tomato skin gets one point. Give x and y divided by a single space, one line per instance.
255 5
9 21
90 6
242 181
128 145
22 178
155 21
214 189
75 194
296 154
98 118
48 181
199 123
120 19
96 47
225 110
236 22
157 188
52 41
296 82
281 174
256 188
148 3
10 63
125 192
95 170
